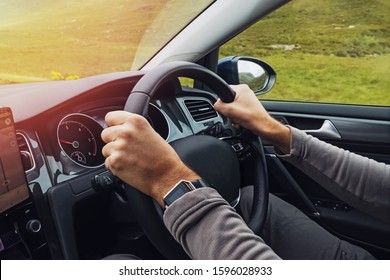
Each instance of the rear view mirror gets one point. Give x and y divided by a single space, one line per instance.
257 74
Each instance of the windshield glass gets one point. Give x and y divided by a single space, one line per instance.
44 40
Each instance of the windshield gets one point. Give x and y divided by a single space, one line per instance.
44 40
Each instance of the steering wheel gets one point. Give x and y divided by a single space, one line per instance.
213 159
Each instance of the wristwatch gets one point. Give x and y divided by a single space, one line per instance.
181 188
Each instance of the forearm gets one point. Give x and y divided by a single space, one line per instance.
361 182
208 228
274 132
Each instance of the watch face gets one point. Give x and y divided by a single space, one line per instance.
178 191
175 194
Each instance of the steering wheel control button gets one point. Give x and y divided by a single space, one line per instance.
241 148
104 181
237 147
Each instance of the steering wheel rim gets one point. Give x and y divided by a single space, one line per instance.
148 215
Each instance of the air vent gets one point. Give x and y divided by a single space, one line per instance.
200 110
25 152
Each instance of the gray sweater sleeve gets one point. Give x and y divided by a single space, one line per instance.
208 228
361 182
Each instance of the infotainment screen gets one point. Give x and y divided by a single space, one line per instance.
13 184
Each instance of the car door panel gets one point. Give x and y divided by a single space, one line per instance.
360 129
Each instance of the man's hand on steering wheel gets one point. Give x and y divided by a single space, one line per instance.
247 112
140 157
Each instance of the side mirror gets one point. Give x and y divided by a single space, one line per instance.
257 74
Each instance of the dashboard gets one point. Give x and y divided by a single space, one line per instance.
60 146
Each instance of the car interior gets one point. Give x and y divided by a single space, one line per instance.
71 207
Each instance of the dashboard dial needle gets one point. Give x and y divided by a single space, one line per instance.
74 144
66 142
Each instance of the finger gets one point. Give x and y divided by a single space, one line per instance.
117 117
107 164
109 134
114 158
106 150
234 87
240 87
223 108
217 103
237 89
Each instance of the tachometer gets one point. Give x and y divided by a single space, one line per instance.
79 138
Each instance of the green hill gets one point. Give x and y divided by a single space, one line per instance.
328 50
361 28
75 38
81 37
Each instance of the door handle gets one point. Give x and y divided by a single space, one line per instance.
327 130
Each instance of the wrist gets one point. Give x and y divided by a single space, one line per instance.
276 133
165 184
283 140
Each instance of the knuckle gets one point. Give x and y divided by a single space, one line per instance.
114 163
243 86
139 121
124 132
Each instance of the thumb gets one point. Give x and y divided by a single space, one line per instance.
219 105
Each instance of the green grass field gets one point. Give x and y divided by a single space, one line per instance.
340 51
55 39
81 43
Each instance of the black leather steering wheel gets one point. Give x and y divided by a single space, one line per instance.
213 159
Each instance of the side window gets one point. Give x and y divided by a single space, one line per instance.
323 51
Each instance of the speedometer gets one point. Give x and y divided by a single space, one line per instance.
79 138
